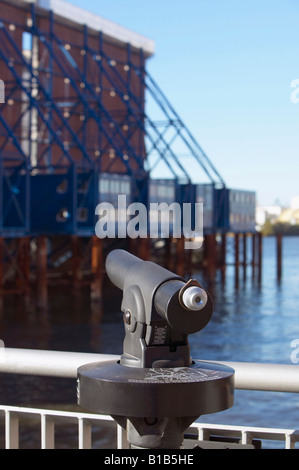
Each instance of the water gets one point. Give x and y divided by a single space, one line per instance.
255 322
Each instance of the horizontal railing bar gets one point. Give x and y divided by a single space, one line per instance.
236 431
33 413
288 436
47 363
265 377
248 376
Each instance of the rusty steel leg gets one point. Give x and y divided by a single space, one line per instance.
144 248
260 256
244 254
223 257
180 256
76 262
23 264
279 255
237 258
168 253
96 269
210 256
253 249
41 272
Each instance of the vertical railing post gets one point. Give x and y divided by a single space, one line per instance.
11 430
47 432
122 438
84 433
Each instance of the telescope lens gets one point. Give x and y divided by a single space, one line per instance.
194 298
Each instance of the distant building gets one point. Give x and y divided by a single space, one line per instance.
267 213
289 216
295 202
242 206
277 214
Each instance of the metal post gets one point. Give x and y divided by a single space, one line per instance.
76 261
210 255
279 255
97 269
41 271
260 250
253 248
244 254
237 261
180 260
23 263
223 256
168 253
145 248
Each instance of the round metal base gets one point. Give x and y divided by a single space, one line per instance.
113 389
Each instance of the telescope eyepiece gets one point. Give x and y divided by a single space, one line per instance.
194 298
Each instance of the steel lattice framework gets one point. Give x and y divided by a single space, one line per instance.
77 106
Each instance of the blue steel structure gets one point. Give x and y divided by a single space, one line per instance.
50 170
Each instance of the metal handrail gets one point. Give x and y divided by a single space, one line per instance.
85 422
248 376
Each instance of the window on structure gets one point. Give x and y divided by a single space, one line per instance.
104 186
125 187
62 187
115 187
153 190
82 214
63 215
83 188
27 39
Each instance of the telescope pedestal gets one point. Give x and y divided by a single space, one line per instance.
155 405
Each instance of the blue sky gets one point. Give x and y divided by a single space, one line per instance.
227 66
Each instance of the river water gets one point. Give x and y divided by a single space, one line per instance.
254 322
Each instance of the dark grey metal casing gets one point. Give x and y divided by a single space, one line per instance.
156 333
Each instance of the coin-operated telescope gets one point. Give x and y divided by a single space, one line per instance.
156 390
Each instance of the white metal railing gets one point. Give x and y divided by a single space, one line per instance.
47 420
248 376
246 434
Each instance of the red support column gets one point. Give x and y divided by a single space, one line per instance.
210 256
244 254
237 259
223 256
23 264
76 262
180 257
96 269
168 254
260 255
253 247
41 271
144 248
279 255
